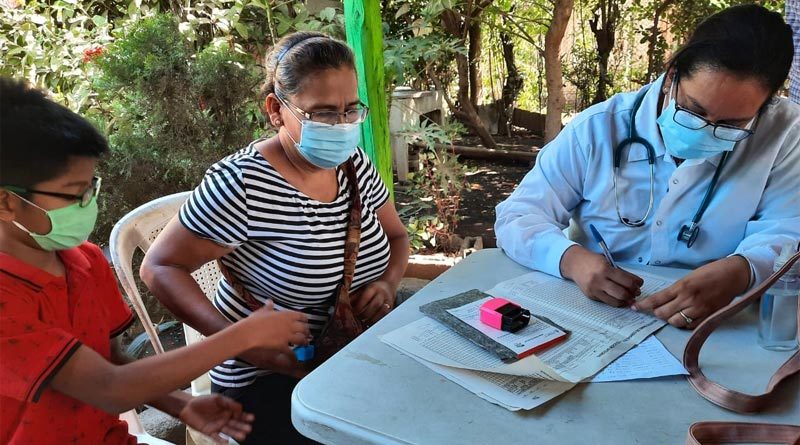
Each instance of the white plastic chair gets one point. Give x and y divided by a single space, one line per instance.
137 230
136 429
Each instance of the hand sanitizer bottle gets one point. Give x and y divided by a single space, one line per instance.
777 324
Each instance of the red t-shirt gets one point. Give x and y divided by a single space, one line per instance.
43 321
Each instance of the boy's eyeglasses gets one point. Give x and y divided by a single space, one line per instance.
83 199
355 116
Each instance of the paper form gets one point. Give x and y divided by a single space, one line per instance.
647 360
599 333
511 392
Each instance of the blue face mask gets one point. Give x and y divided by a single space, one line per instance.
327 146
685 143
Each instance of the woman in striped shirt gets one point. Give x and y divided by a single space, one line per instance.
275 214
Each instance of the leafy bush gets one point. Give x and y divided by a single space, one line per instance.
436 189
169 113
50 43
173 94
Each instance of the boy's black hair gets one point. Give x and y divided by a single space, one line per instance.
747 40
38 136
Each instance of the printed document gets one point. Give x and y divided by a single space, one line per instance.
599 333
648 359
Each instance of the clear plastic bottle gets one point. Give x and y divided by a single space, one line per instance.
777 324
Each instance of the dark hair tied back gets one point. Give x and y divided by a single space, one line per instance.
748 41
301 55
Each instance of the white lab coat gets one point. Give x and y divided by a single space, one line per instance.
755 208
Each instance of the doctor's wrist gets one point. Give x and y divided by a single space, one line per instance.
741 273
571 261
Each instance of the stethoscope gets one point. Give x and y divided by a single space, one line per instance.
688 233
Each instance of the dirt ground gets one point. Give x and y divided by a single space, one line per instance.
490 182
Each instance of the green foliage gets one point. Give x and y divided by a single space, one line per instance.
173 93
681 18
687 14
436 189
46 43
581 71
329 20
171 113
254 24
414 42
150 56
177 92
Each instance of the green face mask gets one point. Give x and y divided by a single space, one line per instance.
70 226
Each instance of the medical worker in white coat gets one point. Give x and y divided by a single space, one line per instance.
700 169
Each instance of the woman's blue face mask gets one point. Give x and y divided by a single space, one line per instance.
687 143
327 146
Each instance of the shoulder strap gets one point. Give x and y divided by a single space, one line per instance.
353 229
738 432
716 393
742 432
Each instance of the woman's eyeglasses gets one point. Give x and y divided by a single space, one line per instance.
356 115
693 121
83 199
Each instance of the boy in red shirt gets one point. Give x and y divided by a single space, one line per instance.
63 377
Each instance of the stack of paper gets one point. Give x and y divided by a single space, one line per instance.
599 335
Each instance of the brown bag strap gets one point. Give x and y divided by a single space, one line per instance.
718 394
738 432
353 238
352 241
742 432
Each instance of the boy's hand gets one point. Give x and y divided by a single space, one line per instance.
279 362
214 414
276 330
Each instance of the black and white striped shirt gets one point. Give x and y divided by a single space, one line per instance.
288 247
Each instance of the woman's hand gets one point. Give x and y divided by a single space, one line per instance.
214 414
701 293
373 301
279 362
599 280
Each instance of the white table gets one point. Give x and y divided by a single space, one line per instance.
371 393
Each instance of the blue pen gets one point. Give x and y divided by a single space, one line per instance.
603 245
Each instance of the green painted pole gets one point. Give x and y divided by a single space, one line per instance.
365 35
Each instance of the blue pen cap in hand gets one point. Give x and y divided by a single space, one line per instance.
304 353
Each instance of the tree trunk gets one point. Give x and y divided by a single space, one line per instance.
512 86
653 56
465 110
604 27
474 61
552 67
467 113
